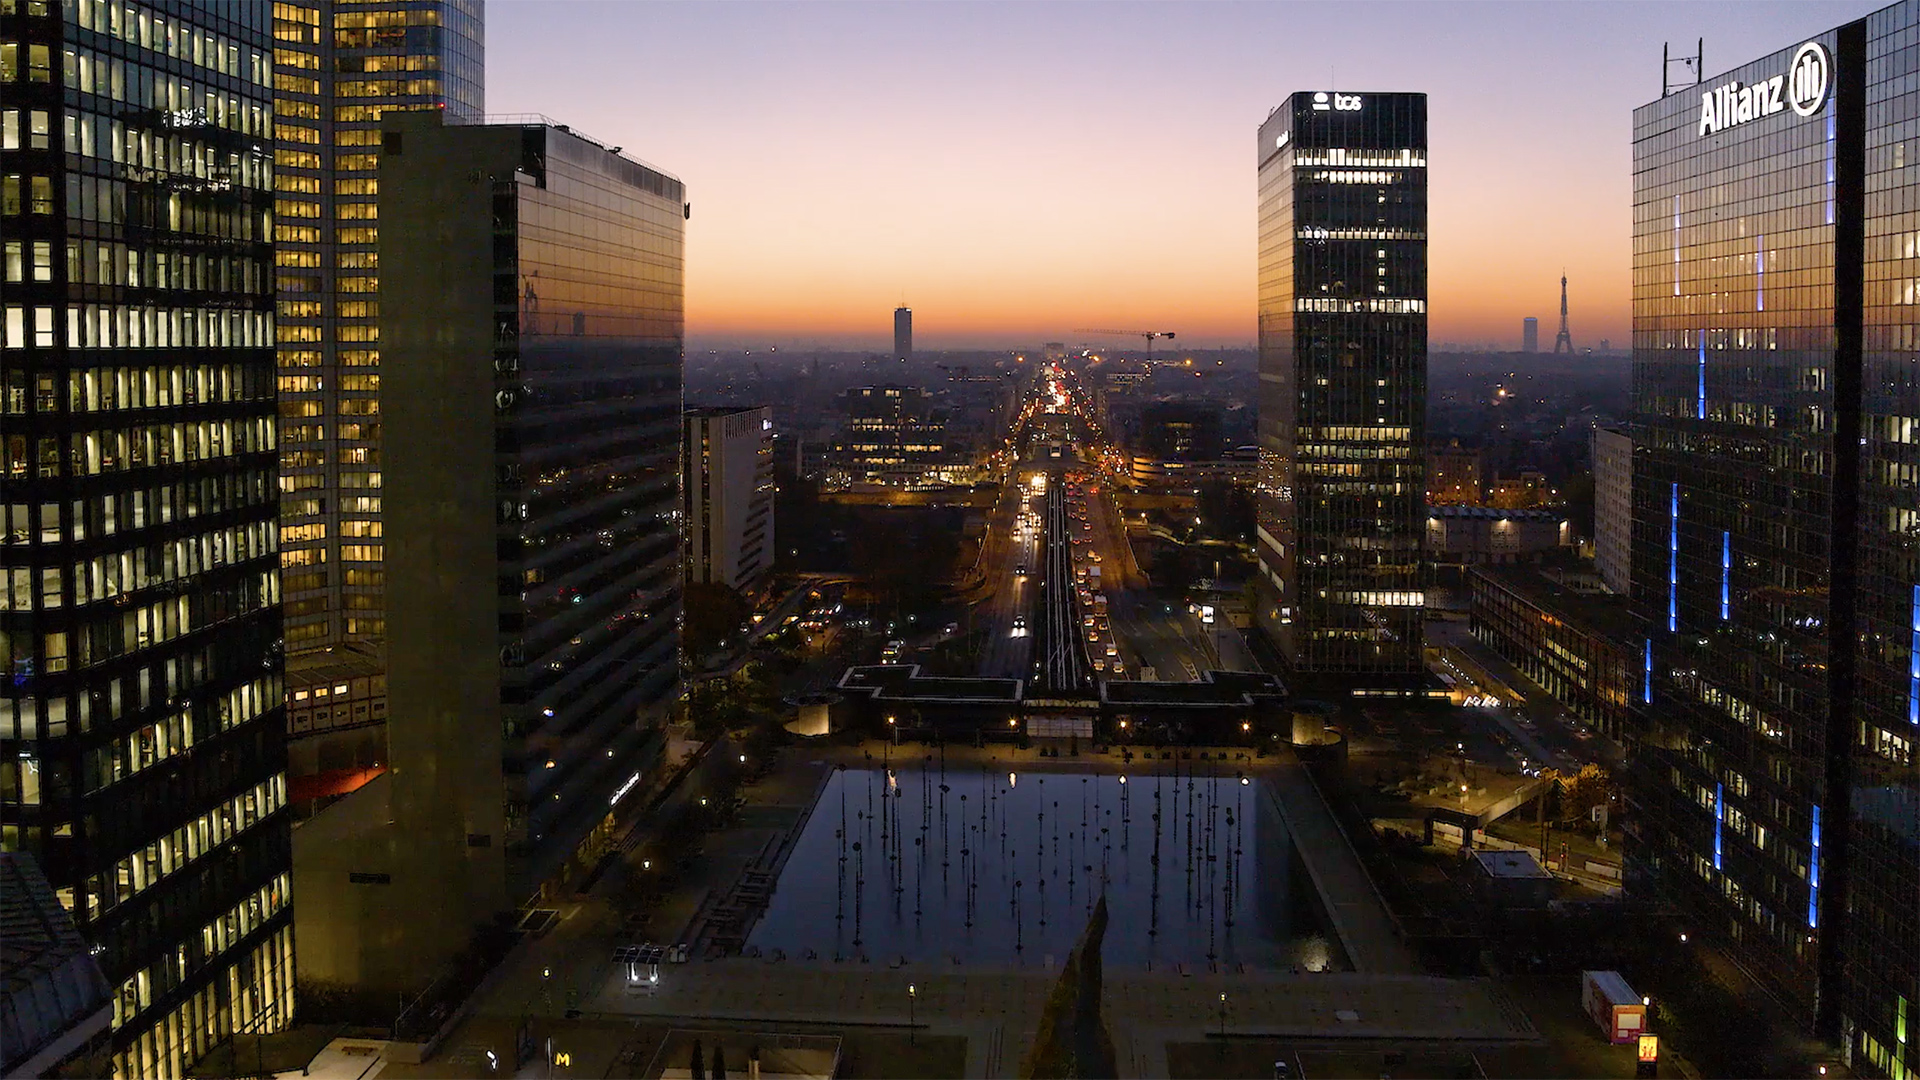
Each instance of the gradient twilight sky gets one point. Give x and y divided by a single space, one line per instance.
1017 170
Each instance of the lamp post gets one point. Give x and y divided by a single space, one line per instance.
911 994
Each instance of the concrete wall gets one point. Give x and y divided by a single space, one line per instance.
435 824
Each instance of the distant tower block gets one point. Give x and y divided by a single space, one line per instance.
1530 335
1563 337
903 333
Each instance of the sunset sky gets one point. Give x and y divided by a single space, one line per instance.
1016 171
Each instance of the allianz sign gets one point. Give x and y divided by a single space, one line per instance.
1803 89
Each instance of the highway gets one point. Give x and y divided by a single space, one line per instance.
1064 667
1057 519
1008 652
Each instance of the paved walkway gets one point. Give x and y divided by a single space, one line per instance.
1357 912
999 1010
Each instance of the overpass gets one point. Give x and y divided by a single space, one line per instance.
1064 669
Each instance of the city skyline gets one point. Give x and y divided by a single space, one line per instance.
1081 166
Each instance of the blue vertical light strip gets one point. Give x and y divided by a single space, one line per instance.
1701 411
1760 271
1726 575
1813 876
1673 561
1646 684
1719 815
1913 665
1676 245
1830 141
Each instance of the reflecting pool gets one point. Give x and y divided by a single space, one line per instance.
989 868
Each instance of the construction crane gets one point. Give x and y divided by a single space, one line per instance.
1148 334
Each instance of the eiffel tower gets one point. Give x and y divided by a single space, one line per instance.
1563 337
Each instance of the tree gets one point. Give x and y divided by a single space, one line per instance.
715 615
699 1066
1591 787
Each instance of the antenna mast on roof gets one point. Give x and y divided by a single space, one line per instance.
1696 62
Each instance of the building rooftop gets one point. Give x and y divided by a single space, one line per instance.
1508 865
1603 614
51 990
720 410
338 664
1488 513
903 682
1215 689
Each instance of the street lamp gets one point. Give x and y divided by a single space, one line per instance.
1223 1022
911 994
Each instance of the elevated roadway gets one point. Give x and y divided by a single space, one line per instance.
1064 667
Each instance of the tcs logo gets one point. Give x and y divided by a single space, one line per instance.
1336 102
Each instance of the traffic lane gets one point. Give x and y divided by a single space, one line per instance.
1005 654
1542 720
1140 624
1008 653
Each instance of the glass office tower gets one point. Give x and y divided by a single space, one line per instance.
338 67
1776 524
534 282
141 739
1343 381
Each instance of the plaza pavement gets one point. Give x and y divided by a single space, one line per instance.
996 1010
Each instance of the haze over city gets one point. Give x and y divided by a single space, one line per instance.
1016 171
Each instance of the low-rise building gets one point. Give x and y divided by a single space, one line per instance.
1471 535
1577 643
896 436
1454 475
727 458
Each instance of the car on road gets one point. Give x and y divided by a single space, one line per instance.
1019 622
1020 571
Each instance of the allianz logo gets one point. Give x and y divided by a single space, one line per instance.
1803 88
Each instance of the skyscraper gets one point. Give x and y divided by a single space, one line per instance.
1612 456
142 748
338 67
1530 335
1776 531
534 281
728 461
903 333
1343 370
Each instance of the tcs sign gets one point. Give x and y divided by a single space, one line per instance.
1323 102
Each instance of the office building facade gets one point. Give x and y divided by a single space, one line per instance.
142 751
1612 456
534 283
1577 644
894 436
1343 380
1530 335
727 458
1181 431
1776 532
903 333
338 68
